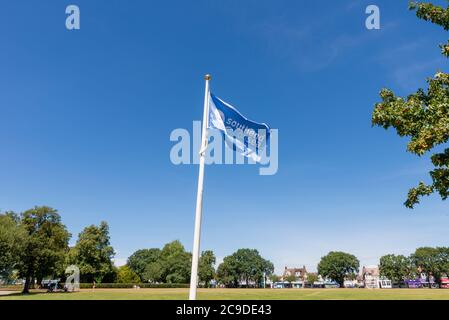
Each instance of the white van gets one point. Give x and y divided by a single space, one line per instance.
385 284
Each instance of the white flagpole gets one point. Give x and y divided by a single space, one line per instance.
199 196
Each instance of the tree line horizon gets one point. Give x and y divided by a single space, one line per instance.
34 245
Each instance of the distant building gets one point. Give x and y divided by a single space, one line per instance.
350 283
299 273
371 277
360 280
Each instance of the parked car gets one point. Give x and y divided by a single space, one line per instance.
385 284
331 284
350 284
51 285
400 284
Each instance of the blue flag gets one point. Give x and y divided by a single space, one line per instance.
247 137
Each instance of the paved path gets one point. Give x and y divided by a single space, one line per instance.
5 293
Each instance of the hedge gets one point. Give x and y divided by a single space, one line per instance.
111 285
12 287
131 285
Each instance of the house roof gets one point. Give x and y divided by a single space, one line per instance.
371 270
293 271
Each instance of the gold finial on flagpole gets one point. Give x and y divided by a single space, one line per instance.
207 77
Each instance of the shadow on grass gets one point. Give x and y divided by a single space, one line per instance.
19 294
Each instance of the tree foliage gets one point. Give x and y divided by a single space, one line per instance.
12 242
206 270
312 278
140 260
45 245
175 262
153 272
244 265
93 254
397 267
126 275
432 261
422 116
338 266
274 278
425 260
290 278
169 265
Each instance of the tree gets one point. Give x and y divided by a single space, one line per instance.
12 241
432 261
244 265
93 254
175 263
337 266
141 259
227 272
206 271
264 269
396 267
312 278
111 275
422 116
170 265
291 278
153 272
45 246
443 256
274 278
126 275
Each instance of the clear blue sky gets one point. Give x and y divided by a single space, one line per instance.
86 117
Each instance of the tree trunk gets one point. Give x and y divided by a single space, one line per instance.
39 281
437 279
26 287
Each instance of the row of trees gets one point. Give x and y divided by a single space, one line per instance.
35 245
171 264
244 265
429 261
341 266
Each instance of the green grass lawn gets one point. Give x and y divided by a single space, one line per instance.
239 294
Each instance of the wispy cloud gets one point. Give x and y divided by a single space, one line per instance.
313 47
411 77
400 51
407 67
419 171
